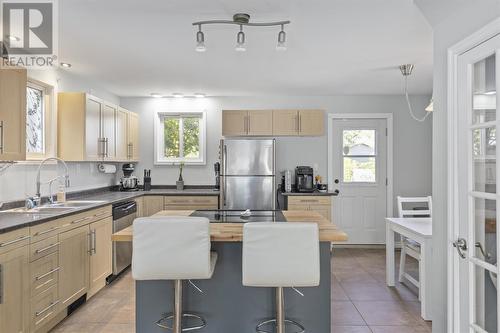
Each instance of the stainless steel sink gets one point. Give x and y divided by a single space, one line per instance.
56 208
78 203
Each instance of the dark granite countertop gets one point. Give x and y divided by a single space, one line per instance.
10 221
315 193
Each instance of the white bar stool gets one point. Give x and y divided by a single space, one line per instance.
173 248
279 255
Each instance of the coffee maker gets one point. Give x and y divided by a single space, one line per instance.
128 182
304 179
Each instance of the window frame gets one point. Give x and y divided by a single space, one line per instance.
49 136
375 156
159 137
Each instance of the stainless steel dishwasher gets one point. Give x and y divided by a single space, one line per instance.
124 215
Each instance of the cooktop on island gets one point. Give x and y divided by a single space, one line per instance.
234 216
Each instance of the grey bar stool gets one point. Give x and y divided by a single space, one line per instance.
173 248
280 255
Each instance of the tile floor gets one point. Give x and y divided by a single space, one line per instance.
361 303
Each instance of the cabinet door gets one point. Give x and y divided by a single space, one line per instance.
14 291
74 263
100 254
324 210
311 122
140 207
12 114
122 144
108 125
260 123
133 137
285 122
152 205
93 135
234 123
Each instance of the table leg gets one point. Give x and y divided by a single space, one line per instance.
389 257
425 278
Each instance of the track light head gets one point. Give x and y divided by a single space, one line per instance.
200 41
281 46
240 40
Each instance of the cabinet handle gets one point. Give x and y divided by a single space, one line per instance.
102 214
14 241
47 248
300 123
297 122
248 125
1 138
51 305
46 231
80 220
106 147
92 242
38 278
1 284
129 150
95 241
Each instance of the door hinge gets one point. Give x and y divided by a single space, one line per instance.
386 182
386 131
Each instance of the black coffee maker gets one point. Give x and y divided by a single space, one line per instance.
304 179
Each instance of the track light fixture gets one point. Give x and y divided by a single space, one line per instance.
240 19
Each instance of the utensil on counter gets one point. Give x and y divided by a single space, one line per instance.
147 180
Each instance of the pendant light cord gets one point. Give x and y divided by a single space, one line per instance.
409 104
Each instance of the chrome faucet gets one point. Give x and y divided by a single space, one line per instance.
36 200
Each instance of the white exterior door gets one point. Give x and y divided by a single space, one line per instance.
359 171
475 268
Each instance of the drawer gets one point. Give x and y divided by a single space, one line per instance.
44 273
197 207
191 201
44 247
76 220
14 239
44 230
309 200
44 307
298 207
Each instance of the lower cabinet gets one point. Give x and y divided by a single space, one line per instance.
14 291
100 254
140 206
318 204
152 204
74 264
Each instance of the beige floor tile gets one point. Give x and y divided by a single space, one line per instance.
353 276
65 327
399 329
385 313
344 313
350 329
372 291
118 328
338 293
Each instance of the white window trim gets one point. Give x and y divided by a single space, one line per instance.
158 138
49 121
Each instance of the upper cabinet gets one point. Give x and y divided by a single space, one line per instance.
12 114
90 129
273 123
132 136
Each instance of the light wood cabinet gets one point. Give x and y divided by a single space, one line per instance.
108 130
14 291
74 264
311 122
100 254
298 122
121 128
13 114
191 202
247 123
318 204
133 136
93 148
44 307
152 205
140 207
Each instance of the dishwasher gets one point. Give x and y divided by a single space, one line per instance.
124 215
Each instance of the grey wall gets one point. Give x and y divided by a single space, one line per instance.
18 181
412 143
463 22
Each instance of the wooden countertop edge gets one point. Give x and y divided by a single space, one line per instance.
232 232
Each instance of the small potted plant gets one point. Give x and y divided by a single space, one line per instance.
180 181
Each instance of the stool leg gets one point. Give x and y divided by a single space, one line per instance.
177 327
280 311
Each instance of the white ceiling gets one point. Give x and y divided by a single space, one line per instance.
334 47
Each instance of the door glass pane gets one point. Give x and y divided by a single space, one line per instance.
486 299
484 95
359 155
359 169
358 142
485 213
484 145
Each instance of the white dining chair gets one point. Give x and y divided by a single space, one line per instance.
408 246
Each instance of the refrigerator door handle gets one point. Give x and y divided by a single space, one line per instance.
224 188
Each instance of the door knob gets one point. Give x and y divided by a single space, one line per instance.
461 245
336 191
336 181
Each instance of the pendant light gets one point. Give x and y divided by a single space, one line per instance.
200 41
281 46
406 70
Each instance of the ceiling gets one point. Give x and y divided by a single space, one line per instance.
335 47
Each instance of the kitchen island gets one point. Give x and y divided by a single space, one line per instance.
226 304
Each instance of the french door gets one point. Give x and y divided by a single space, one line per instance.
476 301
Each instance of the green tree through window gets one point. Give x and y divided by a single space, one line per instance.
181 137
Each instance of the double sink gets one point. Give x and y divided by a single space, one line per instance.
56 208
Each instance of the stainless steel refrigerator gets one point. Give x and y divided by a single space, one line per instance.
248 174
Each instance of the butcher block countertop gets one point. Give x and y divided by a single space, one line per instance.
233 232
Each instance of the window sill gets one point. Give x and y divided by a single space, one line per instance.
176 163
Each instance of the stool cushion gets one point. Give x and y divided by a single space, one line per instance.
284 254
171 248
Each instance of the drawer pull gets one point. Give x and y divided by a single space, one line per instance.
20 239
46 231
102 214
81 220
1 284
47 248
51 305
38 278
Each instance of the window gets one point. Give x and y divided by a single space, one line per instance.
180 137
359 156
38 120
